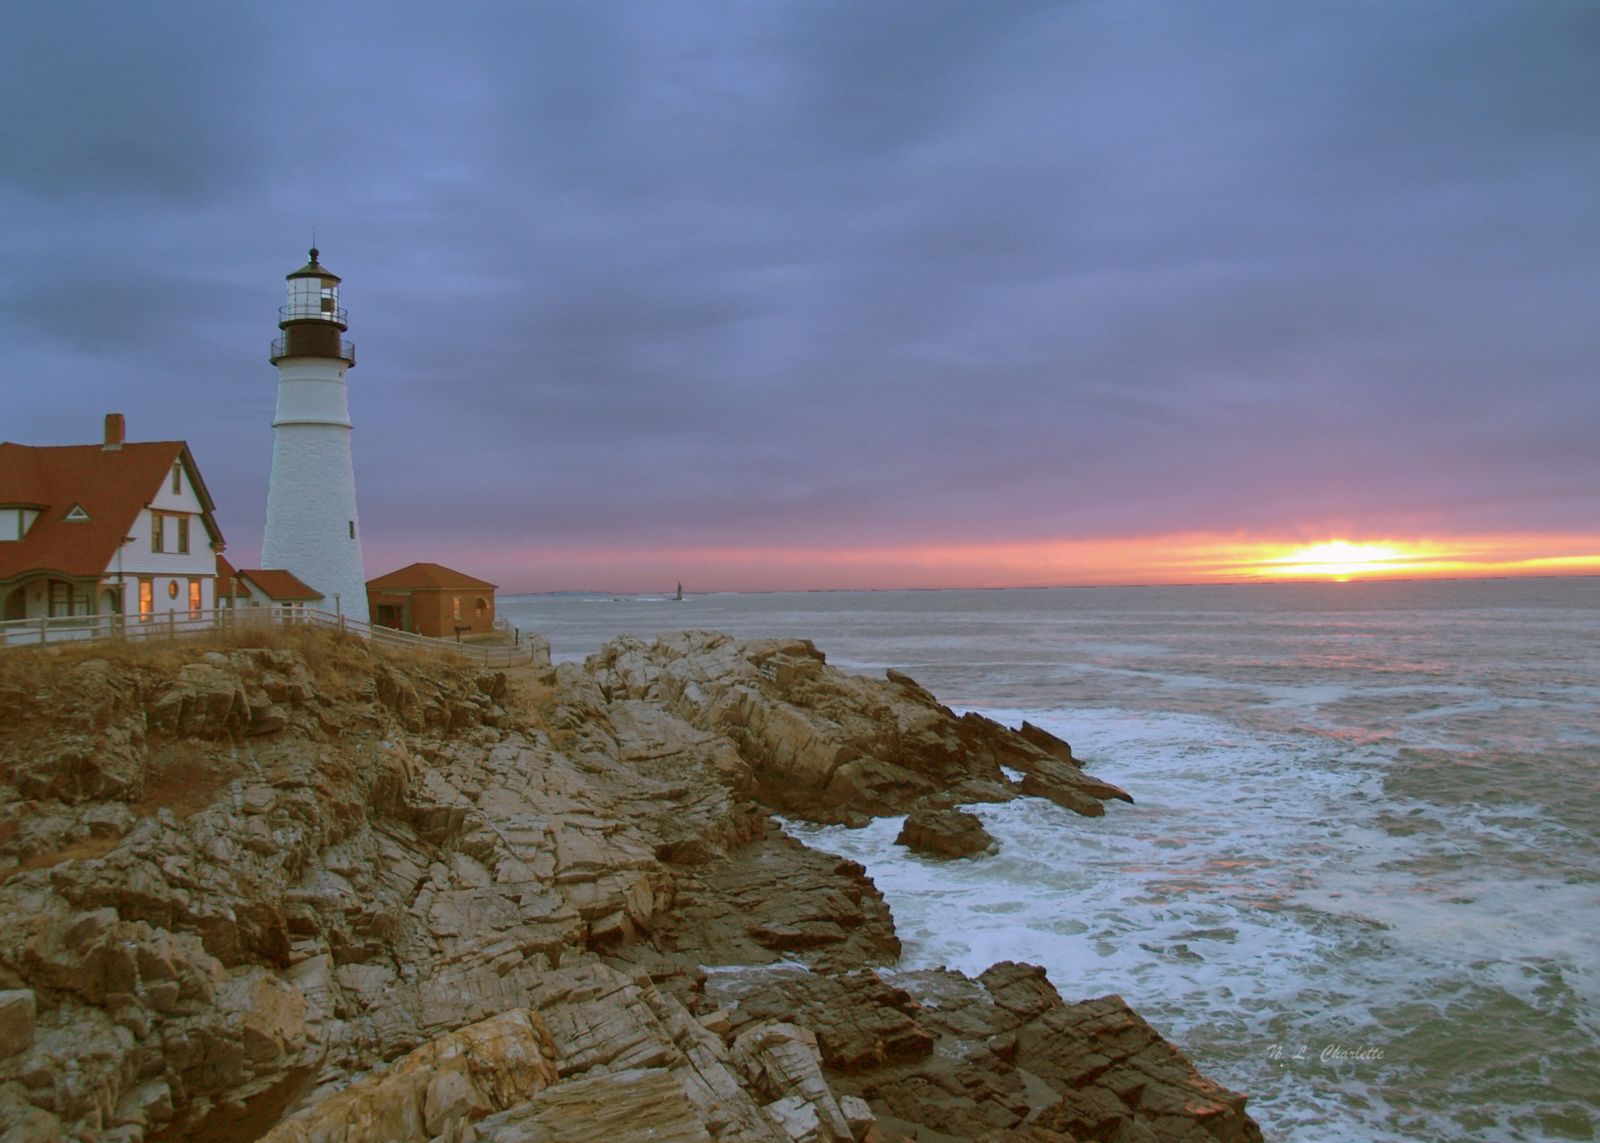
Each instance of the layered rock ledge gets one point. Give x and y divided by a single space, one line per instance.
314 891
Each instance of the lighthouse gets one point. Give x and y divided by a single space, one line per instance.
312 526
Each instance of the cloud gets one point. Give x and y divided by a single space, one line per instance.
721 274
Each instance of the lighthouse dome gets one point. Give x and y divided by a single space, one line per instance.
315 269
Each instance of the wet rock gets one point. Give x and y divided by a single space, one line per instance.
944 833
1069 787
1051 745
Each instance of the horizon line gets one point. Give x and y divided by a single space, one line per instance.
1347 581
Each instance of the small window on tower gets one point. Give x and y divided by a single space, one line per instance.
352 529
327 304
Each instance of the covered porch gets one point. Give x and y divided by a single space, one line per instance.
49 596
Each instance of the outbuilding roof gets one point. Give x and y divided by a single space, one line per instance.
88 497
426 577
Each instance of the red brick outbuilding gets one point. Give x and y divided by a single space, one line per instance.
431 599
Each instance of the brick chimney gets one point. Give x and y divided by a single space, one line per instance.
116 428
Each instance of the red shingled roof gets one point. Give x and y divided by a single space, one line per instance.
228 581
424 577
279 586
110 485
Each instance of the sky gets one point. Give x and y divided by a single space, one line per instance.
792 295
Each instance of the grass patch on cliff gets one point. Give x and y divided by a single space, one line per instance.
184 777
531 692
329 656
81 850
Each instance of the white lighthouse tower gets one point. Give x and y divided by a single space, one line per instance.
312 527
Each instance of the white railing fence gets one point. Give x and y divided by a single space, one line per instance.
195 624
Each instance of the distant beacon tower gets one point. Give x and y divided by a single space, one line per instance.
312 527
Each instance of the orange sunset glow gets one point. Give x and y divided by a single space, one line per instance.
1185 558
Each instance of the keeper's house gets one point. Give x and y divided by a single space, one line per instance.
105 529
430 599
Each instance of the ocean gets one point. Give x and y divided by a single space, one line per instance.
1361 878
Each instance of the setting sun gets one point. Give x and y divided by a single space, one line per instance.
1342 560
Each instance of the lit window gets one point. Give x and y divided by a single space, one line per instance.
172 589
157 532
183 534
147 599
194 599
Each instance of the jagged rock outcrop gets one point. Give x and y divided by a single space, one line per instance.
998 1053
824 745
322 891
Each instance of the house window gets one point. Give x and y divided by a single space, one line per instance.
183 535
194 599
482 606
147 599
455 607
177 477
158 531
172 589
67 599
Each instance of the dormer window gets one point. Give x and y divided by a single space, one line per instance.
75 513
15 520
177 477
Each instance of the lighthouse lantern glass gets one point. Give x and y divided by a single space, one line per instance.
314 297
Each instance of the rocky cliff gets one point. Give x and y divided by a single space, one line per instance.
313 891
